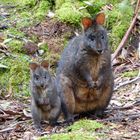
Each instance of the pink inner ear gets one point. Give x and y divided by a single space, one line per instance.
45 64
86 22
33 66
100 18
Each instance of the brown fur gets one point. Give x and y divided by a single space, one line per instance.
84 74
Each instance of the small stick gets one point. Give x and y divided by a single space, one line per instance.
6 130
11 128
124 107
127 82
131 117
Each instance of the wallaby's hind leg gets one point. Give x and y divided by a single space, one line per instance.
67 97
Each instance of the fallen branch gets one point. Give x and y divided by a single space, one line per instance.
127 82
122 43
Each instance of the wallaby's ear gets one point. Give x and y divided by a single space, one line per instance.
33 66
86 22
100 18
45 64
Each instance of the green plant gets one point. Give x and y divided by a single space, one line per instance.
118 21
69 12
80 130
130 74
42 9
16 77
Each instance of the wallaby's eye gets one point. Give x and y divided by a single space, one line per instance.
37 77
45 77
92 37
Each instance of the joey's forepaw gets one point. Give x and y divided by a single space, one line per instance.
38 129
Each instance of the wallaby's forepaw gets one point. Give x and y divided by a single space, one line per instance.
99 113
53 123
70 119
92 84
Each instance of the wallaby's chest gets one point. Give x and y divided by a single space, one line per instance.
94 66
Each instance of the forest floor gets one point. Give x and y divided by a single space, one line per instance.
122 117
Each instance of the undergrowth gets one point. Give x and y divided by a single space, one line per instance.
80 130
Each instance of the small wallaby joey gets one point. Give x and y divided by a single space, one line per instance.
45 103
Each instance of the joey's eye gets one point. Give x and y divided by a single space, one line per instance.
92 37
37 77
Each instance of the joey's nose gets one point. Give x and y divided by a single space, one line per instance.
42 85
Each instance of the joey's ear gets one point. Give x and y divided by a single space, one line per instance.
86 22
45 64
100 18
33 66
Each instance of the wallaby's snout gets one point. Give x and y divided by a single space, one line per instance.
100 51
99 48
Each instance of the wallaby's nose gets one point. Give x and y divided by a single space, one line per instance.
100 51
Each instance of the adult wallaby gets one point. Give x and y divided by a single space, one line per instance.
84 75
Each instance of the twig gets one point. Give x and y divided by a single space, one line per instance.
123 41
130 117
11 128
6 129
124 107
5 116
17 37
127 82
5 52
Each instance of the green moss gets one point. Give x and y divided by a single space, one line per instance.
42 9
113 1
17 76
58 3
8 1
70 136
95 7
29 3
81 130
69 12
130 74
86 125
15 32
44 46
118 21
15 46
